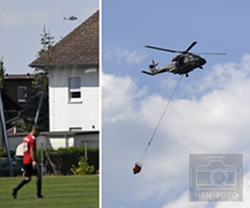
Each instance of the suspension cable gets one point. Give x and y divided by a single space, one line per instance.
159 122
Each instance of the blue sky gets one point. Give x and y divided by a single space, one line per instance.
209 113
22 23
217 26
129 26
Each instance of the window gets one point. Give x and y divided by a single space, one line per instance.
75 129
74 89
21 94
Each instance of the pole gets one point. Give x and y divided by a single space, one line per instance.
86 153
5 134
39 108
86 150
42 159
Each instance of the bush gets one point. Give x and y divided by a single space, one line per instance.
70 156
3 153
83 167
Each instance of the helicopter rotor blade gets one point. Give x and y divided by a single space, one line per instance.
191 46
210 53
184 52
163 49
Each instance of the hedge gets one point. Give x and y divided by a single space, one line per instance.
3 152
64 158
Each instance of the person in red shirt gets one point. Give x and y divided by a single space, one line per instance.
30 163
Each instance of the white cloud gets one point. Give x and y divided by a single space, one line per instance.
12 19
120 55
183 201
222 75
119 93
215 122
20 19
246 200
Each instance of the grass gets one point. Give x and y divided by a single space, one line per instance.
59 191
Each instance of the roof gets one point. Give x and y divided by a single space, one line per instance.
16 130
81 46
19 76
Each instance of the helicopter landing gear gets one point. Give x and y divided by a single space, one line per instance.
200 67
187 75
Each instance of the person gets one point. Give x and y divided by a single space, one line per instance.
30 163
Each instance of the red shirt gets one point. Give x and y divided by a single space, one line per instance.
28 142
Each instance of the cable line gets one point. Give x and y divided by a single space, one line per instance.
159 122
137 167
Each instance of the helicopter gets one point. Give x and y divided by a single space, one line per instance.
181 64
70 18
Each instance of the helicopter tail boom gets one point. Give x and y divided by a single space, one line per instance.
149 73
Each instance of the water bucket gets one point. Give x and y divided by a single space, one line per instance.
137 168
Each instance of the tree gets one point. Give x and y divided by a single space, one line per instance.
47 43
39 86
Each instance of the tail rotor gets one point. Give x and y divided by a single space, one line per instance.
153 65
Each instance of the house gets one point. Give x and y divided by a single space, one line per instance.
12 111
74 90
19 86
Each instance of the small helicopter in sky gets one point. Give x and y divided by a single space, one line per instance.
70 18
181 64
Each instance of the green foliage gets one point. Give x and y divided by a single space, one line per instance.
70 156
83 167
47 43
3 153
64 158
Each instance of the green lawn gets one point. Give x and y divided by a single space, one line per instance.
59 191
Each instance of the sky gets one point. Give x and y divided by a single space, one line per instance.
209 113
22 22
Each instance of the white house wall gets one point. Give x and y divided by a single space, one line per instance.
92 140
57 143
65 114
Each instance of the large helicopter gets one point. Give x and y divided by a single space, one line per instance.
181 64
71 18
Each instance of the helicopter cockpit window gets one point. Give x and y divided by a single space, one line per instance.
176 58
179 60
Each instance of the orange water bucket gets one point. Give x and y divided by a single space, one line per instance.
137 168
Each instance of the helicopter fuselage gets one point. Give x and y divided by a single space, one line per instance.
183 64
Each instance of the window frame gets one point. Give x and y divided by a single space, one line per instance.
24 98
72 90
